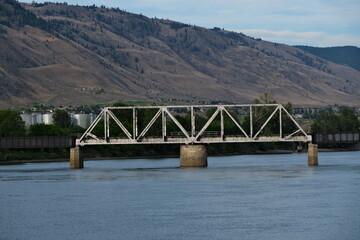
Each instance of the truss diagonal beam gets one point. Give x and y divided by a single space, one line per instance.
236 123
266 122
208 123
292 134
293 120
182 129
117 121
92 126
146 129
93 136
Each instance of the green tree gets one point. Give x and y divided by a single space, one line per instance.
349 120
346 120
11 124
62 119
42 129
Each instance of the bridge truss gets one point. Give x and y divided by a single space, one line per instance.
251 122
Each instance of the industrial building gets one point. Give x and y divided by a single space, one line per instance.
77 119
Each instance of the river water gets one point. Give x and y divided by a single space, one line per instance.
236 197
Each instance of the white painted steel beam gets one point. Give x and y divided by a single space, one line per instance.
208 123
190 136
117 121
152 121
182 129
266 122
236 123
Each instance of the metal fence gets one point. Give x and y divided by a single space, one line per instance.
340 137
37 142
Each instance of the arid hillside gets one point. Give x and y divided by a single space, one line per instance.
60 54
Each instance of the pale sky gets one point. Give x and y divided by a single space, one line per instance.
320 23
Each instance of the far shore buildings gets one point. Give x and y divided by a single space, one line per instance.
77 119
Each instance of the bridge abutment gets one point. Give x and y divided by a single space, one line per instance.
193 156
313 155
76 160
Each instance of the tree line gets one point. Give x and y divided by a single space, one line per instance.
11 125
344 121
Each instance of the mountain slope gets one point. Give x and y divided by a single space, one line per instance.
347 55
83 55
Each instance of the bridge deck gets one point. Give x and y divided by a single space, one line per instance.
203 140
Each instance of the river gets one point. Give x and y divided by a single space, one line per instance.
236 197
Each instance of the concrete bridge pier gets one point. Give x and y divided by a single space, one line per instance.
193 156
313 154
76 160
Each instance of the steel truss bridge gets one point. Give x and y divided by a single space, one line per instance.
251 130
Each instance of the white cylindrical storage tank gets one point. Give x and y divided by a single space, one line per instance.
72 119
48 118
82 120
33 118
39 118
92 117
27 118
36 118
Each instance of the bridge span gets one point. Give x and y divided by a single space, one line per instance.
193 126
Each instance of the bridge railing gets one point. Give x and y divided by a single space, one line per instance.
37 142
338 137
205 134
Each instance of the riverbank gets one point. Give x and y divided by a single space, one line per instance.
268 152
157 151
